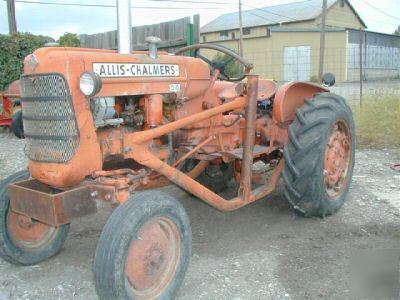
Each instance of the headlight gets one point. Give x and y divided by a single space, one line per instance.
90 83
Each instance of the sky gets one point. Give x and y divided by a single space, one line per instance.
55 20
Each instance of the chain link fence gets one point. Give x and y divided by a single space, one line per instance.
374 73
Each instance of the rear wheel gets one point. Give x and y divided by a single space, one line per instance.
144 249
24 241
319 156
17 125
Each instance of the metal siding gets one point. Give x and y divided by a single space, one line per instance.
291 12
297 63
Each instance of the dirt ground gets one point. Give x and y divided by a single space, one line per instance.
263 251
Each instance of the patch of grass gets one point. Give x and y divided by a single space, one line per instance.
378 121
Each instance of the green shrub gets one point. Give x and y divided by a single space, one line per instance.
378 121
69 40
13 49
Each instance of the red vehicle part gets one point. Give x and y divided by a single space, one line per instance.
6 103
5 111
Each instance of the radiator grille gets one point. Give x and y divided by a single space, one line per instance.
49 120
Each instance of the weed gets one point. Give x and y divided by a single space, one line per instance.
378 121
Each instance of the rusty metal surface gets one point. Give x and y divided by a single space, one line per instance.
24 232
194 80
266 89
54 207
290 97
181 179
337 159
250 129
144 136
153 258
154 110
200 123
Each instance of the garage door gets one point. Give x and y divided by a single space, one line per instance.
297 63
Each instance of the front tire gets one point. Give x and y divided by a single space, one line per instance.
24 241
319 156
144 249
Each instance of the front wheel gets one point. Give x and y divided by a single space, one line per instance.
319 156
24 241
144 249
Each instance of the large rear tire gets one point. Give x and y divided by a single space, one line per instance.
24 241
144 249
319 156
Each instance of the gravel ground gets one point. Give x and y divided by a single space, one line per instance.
263 251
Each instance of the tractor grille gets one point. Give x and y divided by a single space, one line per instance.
49 120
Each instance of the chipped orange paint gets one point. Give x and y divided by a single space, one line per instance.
203 107
290 97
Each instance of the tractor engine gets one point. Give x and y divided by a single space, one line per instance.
69 133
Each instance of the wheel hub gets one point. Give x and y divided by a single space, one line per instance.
337 158
153 258
24 231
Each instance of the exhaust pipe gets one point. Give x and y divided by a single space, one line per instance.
124 26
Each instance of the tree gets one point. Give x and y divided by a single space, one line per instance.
69 40
13 49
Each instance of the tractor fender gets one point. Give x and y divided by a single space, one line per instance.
290 97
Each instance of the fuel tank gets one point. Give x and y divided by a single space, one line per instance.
62 144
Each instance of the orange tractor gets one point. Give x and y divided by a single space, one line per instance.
105 125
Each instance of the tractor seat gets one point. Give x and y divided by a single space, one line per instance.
266 90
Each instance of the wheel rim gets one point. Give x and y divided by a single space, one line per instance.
337 159
27 233
153 258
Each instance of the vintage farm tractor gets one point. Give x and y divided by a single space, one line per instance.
104 125
10 109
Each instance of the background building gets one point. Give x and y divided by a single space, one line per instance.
283 41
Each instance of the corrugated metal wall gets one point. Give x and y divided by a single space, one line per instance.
380 55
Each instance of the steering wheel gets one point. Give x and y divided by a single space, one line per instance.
218 64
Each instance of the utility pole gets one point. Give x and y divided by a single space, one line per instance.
322 41
12 23
240 29
361 64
